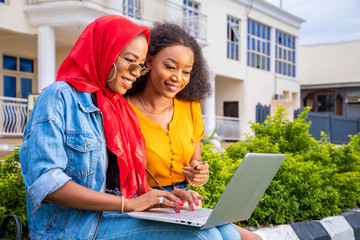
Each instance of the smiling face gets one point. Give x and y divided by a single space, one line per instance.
134 52
170 70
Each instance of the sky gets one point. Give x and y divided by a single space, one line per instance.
326 21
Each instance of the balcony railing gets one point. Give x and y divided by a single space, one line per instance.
13 119
228 127
147 11
13 114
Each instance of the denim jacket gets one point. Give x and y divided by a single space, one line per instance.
64 140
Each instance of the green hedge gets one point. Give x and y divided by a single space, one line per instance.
12 192
316 180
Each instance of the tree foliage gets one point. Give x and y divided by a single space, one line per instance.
316 180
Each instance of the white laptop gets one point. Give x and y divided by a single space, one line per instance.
237 202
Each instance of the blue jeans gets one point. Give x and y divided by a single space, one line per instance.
169 188
120 226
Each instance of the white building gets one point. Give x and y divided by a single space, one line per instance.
251 47
330 78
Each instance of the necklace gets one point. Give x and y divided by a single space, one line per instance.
148 110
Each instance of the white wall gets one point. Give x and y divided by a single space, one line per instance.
228 90
329 63
215 52
12 17
61 54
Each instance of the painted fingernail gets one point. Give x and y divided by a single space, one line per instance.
175 204
197 203
192 200
178 210
192 208
181 204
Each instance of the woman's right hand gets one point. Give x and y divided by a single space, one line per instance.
189 196
151 200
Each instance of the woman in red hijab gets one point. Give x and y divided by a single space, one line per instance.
81 132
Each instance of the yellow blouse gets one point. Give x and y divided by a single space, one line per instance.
167 152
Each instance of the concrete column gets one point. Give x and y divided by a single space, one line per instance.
297 51
46 56
272 49
272 56
209 108
244 100
243 42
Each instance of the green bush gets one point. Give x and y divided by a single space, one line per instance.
12 190
316 180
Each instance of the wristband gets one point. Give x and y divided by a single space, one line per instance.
122 204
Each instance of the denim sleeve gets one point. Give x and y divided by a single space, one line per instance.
43 159
46 184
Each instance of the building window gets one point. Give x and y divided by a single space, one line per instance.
258 45
191 17
325 102
231 109
233 38
18 76
285 54
131 8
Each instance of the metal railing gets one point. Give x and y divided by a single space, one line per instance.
13 116
228 127
13 119
149 11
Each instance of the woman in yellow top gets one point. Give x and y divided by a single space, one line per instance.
166 101
167 105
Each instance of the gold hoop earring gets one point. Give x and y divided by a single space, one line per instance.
109 80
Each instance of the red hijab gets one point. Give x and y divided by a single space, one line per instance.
86 68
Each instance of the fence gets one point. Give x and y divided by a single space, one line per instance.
13 116
262 111
337 128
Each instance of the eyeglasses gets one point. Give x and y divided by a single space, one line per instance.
134 67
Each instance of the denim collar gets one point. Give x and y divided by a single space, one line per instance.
85 102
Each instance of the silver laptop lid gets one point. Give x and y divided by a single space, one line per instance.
245 188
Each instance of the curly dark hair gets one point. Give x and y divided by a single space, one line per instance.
169 34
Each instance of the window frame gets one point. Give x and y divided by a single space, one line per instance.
131 10
231 105
191 16
19 75
332 94
258 45
285 54
233 38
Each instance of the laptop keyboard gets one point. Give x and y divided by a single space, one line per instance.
198 214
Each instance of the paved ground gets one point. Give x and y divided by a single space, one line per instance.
346 226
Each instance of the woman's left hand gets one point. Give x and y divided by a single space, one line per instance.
197 171
189 196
